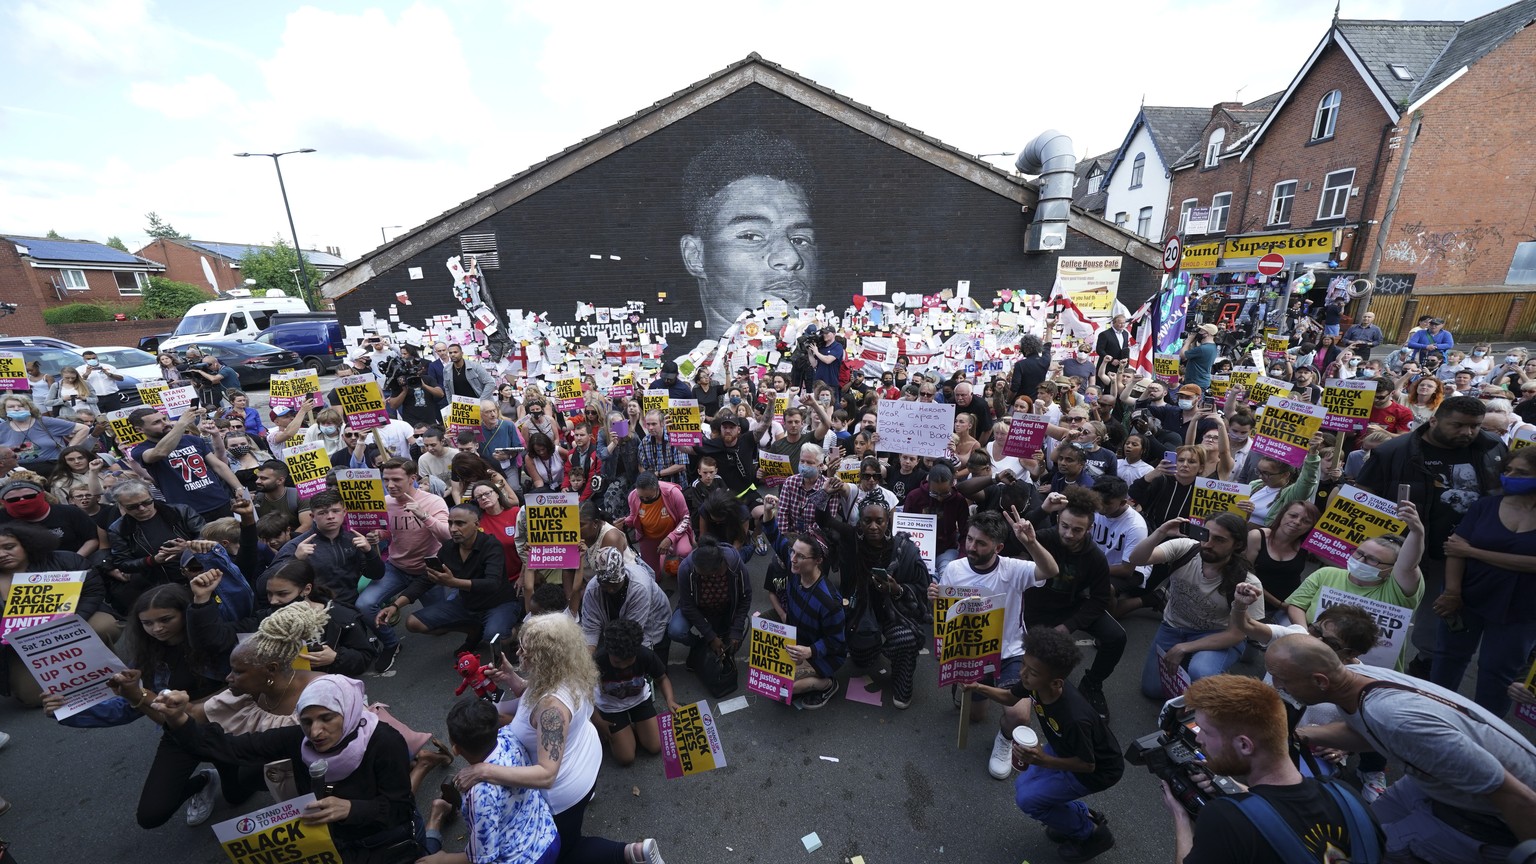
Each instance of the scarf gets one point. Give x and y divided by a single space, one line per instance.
344 696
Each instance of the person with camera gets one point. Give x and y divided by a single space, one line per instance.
1467 794
826 357
414 394
1079 757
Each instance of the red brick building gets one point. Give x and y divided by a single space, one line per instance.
216 266
36 273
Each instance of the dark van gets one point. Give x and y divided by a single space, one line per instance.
317 342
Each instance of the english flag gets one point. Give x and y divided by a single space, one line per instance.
1143 338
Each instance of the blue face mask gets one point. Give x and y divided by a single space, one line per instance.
18 415
809 472
1518 485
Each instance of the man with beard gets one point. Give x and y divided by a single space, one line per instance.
751 238
735 458
1241 729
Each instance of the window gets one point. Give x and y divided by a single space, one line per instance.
131 284
74 280
1280 204
1120 219
1138 168
1095 178
236 323
1213 147
1400 72
1522 270
1188 205
1220 205
1144 222
1336 194
1327 116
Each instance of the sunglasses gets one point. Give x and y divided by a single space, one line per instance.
137 505
27 497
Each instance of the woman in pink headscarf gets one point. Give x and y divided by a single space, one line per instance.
366 798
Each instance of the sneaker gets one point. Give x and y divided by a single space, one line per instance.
1099 819
4 740
812 701
386 659
760 545
200 805
902 704
644 852
1099 842
1373 785
1093 691
1000 764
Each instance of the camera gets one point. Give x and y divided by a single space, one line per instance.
1172 755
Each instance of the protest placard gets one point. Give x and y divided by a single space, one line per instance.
67 659
1174 682
1275 346
174 401
780 404
915 428
295 389
683 423
568 397
1352 517
122 429
1210 497
1265 388
1166 368
150 392
1026 435
362 402
13 372
362 493
967 634
1524 437
1244 376
770 669
37 598
623 386
1285 428
276 833
776 468
1220 384
923 528
308 466
1348 402
653 400
463 413
1391 618
1524 711
848 471
554 536
690 741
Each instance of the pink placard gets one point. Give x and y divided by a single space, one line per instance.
554 557
1026 436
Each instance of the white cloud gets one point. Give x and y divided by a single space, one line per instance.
191 97
87 39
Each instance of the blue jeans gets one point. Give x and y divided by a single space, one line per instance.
679 631
943 560
1050 798
451 614
1502 659
1201 664
381 592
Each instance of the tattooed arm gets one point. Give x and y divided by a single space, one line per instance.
552 722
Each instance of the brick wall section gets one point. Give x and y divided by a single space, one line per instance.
1467 197
1204 184
18 285
114 332
183 264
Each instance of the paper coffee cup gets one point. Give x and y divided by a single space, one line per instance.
1023 736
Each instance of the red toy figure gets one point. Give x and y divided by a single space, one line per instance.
474 677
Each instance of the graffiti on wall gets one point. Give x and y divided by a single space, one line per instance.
1446 253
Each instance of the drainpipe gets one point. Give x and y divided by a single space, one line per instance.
1050 156
1386 218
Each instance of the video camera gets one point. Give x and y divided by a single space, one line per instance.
1172 755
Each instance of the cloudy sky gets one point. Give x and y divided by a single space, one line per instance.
113 108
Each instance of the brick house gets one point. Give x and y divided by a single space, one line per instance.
216 266
36 273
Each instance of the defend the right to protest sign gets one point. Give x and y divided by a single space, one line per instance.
1174 682
1352 517
1390 618
276 833
967 634
1026 435
67 659
1166 368
770 669
362 493
362 402
1210 497
38 598
923 528
1349 402
308 466
295 389
554 537
690 741
915 428
1285 429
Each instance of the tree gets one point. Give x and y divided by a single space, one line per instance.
117 243
162 229
165 298
273 268
54 235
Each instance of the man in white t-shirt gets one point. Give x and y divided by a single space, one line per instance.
436 457
985 569
1117 529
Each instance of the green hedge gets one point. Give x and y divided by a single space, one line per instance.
77 313
165 298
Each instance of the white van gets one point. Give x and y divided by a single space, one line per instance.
239 320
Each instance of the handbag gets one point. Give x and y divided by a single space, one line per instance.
719 676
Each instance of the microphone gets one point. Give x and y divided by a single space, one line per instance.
317 784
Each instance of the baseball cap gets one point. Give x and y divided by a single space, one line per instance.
1191 390
1208 329
727 418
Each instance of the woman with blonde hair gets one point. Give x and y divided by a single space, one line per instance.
36 439
68 393
552 710
965 436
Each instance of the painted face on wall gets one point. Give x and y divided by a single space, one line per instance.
757 243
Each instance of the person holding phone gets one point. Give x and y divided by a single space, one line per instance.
418 528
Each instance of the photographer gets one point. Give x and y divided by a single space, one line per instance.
1242 732
827 361
414 394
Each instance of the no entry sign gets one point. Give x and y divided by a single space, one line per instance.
1271 264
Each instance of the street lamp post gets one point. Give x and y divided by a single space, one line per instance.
297 249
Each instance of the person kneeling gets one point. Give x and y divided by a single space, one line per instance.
1080 755
626 712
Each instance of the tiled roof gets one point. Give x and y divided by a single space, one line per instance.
76 251
1413 45
236 251
1248 118
1174 129
1080 190
1474 39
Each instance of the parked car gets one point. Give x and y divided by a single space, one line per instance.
12 343
128 361
51 360
152 343
254 362
318 342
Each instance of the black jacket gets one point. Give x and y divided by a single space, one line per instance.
337 564
906 566
1029 373
1401 460
740 603
346 633
485 567
132 554
1108 345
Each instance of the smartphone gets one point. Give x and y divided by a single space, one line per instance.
880 574
1208 403
1196 532
498 656
434 562
1402 491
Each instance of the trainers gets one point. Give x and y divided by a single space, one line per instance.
644 852
4 740
200 805
1373 785
812 701
1093 691
760 545
386 659
1099 842
1000 764
902 704
1099 819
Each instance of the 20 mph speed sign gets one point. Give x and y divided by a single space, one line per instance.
1173 250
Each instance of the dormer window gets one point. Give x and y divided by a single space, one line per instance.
1213 147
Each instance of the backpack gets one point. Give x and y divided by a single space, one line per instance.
1365 846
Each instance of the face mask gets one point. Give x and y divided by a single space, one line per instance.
1367 373
1084 446
809 472
18 415
735 400
240 450
1518 485
1478 353
327 431
1354 361
1186 404
93 362
1365 573
1237 439
32 508
825 400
